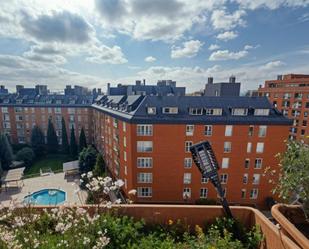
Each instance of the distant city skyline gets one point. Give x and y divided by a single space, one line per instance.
93 42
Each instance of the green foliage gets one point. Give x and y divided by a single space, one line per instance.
100 167
38 141
6 152
82 140
87 159
52 140
73 145
65 148
26 155
294 176
205 201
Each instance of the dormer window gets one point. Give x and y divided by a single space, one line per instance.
261 112
196 111
170 110
239 111
151 110
214 111
58 102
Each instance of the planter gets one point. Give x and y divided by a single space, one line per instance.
290 218
198 215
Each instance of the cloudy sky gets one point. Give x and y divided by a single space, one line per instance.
92 42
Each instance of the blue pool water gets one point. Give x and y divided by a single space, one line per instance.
46 197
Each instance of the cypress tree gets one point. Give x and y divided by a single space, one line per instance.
99 168
52 140
6 152
38 141
73 145
65 148
82 140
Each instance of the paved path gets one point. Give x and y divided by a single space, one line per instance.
56 181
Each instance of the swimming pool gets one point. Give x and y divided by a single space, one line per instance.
46 197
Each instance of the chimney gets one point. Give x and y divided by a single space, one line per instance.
138 82
279 77
232 79
2 87
260 86
210 80
18 88
144 82
99 91
108 88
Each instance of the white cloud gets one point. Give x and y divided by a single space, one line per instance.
226 36
223 55
271 4
272 64
156 19
221 20
189 49
213 47
105 54
150 59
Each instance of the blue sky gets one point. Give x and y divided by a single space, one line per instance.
92 42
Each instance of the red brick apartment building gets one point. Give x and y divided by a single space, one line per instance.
146 141
290 94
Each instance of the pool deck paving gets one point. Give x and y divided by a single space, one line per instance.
53 181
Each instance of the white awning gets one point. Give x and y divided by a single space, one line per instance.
70 166
14 175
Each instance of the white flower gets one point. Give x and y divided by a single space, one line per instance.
132 192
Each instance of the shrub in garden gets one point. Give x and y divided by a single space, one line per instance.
38 141
26 155
87 159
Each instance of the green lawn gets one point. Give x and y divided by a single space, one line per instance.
50 161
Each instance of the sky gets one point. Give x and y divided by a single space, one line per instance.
93 42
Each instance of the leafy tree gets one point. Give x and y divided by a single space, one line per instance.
65 148
87 159
38 141
293 183
73 145
6 152
82 140
52 140
26 155
100 167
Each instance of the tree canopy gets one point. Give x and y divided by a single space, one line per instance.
38 141
52 140
87 159
65 148
6 152
73 145
100 167
82 140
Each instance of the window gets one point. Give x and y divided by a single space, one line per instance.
151 110
144 162
228 130
256 178
188 162
262 130
249 147
4 110
304 123
170 110
254 193
71 110
203 192
188 145
286 95
223 178
144 192
247 163
189 130
208 130
225 162
124 142
57 110
144 146
204 180
186 193
196 111
259 147
187 178
125 156
243 193
115 122
144 177
251 130
124 126
245 179
144 130
261 112
258 163
227 147
18 109
239 111
214 111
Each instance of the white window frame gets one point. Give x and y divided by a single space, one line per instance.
256 179
261 112
227 149
262 130
144 162
144 130
223 178
228 130
258 163
239 111
254 193
170 110
186 193
188 162
187 178
208 130
144 192
188 144
151 110
249 147
260 147
203 193
144 177
225 162
144 146
189 130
